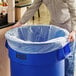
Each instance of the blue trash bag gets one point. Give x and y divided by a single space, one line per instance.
37 39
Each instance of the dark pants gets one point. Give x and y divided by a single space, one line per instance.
69 65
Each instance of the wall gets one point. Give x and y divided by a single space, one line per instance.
4 60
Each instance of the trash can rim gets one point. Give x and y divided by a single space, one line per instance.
18 40
59 39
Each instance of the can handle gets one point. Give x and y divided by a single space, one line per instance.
6 44
63 52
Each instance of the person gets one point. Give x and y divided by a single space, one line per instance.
62 13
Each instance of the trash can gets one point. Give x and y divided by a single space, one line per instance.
37 50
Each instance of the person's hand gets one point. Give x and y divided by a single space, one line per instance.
16 25
71 36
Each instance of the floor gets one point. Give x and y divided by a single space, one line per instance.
4 61
44 16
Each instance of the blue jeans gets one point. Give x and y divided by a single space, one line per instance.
69 65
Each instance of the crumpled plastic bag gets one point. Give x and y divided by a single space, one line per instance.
37 39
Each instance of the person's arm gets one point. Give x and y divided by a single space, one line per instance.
29 13
72 9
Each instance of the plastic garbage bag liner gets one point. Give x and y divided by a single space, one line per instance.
37 39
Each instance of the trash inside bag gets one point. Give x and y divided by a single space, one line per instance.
37 39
